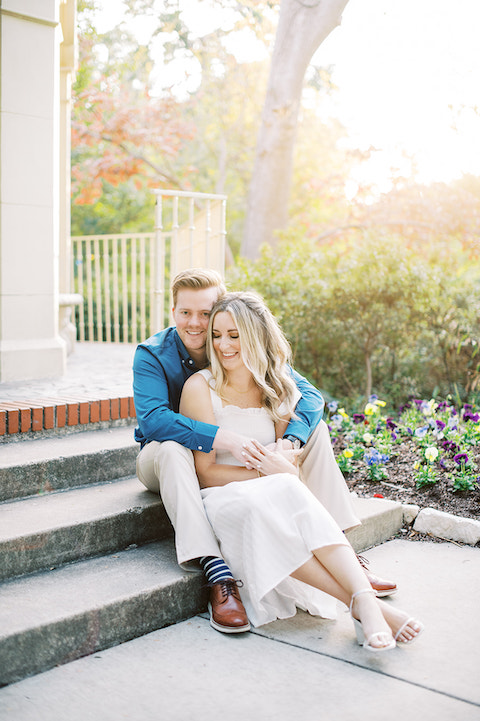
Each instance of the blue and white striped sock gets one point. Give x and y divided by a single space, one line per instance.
215 569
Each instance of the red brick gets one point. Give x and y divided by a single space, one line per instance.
19 416
114 408
37 408
131 408
13 422
48 407
84 412
123 407
72 414
61 413
104 410
94 411
3 422
25 419
49 417
37 419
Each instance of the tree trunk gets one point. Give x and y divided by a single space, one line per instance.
301 29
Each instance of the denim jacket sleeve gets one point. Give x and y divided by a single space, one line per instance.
309 409
156 395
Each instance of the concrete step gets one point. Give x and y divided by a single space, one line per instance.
29 468
54 617
71 506
46 531
380 521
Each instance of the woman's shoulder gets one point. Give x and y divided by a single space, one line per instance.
198 380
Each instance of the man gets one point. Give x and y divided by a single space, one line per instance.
165 462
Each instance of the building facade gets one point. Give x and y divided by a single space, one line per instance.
37 67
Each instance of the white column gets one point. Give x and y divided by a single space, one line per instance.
68 63
30 346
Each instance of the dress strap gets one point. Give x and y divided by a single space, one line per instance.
216 400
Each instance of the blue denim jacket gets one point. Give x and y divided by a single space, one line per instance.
160 368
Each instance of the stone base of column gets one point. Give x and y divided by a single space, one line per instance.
32 359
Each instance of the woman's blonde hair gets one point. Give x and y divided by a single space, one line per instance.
264 348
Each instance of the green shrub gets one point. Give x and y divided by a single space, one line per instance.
372 316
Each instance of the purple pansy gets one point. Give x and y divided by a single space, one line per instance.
461 459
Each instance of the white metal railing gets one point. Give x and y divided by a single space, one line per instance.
123 277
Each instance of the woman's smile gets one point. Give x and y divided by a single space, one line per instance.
226 341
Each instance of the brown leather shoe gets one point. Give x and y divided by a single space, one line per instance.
381 586
227 613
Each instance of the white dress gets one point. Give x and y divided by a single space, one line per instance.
268 527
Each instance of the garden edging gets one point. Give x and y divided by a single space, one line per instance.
442 525
383 518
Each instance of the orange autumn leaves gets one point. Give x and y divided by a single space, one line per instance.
118 134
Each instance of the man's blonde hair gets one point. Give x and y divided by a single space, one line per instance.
264 348
197 279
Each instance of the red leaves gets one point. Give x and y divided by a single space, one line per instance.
119 133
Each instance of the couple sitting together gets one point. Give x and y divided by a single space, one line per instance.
233 440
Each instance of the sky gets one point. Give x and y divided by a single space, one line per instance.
399 65
407 74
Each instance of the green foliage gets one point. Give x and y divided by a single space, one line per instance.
120 209
373 316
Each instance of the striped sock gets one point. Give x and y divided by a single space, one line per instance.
215 569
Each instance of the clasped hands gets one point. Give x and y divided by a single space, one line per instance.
278 457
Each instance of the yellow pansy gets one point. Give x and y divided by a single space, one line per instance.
347 453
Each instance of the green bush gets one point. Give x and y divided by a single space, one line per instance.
374 316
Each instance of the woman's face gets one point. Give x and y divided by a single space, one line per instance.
226 341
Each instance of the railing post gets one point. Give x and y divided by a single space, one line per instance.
223 228
116 301
159 277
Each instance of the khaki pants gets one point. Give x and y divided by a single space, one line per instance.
167 468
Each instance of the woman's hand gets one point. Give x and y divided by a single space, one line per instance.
270 460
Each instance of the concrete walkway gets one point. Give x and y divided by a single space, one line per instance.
304 668
93 368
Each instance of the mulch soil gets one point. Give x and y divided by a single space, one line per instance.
400 483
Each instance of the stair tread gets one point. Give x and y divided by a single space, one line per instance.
39 514
25 452
48 597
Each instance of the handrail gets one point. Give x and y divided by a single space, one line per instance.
123 277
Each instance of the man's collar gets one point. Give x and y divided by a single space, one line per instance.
187 360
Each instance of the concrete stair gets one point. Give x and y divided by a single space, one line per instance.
87 558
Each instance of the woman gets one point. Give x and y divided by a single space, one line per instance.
274 533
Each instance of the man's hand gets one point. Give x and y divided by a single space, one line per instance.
230 441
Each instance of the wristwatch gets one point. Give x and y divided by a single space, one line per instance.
297 443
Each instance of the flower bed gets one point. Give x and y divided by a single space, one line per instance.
429 454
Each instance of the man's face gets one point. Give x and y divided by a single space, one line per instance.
191 315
